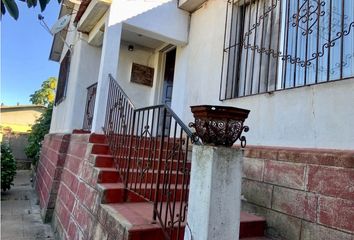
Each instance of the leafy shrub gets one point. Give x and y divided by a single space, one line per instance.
8 167
39 130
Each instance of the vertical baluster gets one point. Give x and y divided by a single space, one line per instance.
270 45
154 157
254 48
296 43
137 152
278 44
170 175
146 150
229 50
286 42
181 140
329 40
307 42
261 50
247 46
234 85
223 56
130 161
318 40
165 187
342 41
157 187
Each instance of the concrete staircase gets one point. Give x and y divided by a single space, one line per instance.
131 215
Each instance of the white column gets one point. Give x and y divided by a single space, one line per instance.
108 65
214 194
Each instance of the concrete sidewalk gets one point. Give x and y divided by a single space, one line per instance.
20 214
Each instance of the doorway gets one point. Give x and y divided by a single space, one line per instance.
168 75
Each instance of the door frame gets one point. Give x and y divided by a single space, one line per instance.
161 71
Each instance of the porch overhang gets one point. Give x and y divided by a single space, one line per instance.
166 23
95 37
190 5
92 15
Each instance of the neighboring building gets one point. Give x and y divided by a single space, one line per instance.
289 62
15 124
20 118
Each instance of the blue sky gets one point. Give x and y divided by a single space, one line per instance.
25 47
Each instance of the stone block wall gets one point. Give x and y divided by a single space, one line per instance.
304 194
77 204
49 170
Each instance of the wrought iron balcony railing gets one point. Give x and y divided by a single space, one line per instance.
90 107
272 45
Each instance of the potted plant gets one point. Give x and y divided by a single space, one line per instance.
219 125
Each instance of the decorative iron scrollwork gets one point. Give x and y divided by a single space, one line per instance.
220 132
309 14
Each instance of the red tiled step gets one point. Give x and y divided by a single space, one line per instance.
176 164
111 192
150 176
114 193
107 175
251 225
103 161
100 149
136 218
97 138
81 131
148 191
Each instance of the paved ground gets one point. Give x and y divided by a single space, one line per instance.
20 217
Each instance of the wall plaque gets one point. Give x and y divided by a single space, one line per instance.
142 74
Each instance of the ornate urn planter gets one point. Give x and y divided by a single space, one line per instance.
219 125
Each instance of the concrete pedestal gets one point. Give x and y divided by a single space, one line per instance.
215 194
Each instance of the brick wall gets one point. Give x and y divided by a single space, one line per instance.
49 169
303 193
77 200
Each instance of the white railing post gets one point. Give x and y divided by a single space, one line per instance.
108 65
214 194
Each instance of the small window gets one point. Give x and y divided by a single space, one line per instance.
278 44
63 78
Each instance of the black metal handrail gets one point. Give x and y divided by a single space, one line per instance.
150 146
90 106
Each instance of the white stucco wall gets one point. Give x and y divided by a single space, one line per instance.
318 116
141 95
84 66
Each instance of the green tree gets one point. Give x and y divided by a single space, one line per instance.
35 138
45 95
11 6
8 167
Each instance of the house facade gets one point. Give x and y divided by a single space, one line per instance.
289 62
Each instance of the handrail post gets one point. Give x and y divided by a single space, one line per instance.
126 177
159 164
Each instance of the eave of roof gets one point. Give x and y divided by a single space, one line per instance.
83 6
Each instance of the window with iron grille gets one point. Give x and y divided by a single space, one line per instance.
278 44
63 78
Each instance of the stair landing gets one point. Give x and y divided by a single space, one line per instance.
136 217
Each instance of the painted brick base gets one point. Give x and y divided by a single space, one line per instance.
49 169
76 209
304 194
